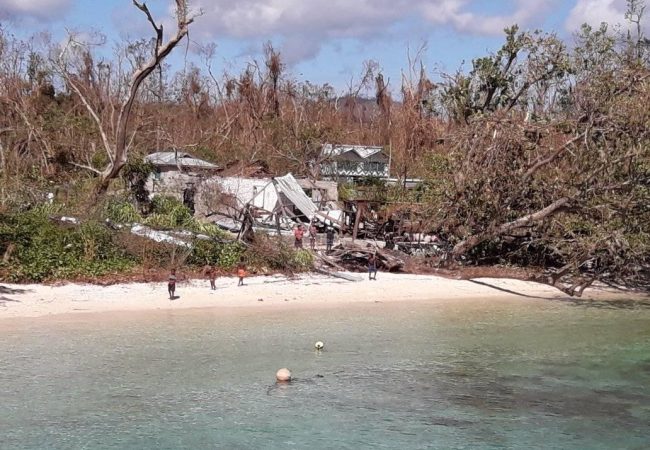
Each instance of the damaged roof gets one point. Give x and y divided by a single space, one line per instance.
292 190
182 159
362 151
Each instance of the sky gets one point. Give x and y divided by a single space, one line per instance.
323 40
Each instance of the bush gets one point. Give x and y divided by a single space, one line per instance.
303 260
122 211
273 253
225 255
45 250
169 213
178 213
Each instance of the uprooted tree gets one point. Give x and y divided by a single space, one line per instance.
550 163
111 109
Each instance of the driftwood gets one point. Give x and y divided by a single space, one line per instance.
342 275
323 261
354 258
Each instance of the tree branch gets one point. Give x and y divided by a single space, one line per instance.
93 114
471 242
550 159
87 167
159 29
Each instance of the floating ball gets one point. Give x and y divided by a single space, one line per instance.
319 345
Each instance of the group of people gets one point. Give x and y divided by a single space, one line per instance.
211 273
299 234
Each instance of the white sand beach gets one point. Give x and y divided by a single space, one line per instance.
306 291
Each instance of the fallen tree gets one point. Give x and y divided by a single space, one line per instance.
555 177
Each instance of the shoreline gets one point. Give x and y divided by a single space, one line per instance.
264 292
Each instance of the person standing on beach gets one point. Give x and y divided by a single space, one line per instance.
211 273
372 267
313 233
241 272
298 233
171 284
329 235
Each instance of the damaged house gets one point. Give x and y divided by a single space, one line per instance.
178 174
269 201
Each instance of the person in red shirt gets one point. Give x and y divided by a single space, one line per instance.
241 272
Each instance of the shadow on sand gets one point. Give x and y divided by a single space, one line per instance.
7 290
582 302
509 291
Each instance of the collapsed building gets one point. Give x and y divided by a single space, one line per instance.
242 197
229 201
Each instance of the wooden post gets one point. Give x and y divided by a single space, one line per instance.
357 219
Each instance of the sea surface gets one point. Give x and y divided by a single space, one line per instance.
523 373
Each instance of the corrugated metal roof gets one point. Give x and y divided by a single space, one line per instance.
290 188
182 159
363 151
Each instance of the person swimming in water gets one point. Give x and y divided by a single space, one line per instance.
284 384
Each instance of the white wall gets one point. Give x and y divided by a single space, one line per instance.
172 183
244 189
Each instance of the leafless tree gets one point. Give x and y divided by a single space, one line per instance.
118 142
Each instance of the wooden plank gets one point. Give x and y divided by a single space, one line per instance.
343 276
330 262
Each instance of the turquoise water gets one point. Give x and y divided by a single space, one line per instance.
516 374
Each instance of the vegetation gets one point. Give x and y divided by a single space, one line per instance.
35 248
538 156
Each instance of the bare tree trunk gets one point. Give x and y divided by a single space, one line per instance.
464 246
118 150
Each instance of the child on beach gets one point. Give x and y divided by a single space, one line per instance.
171 284
241 272
313 233
211 273
298 233
372 267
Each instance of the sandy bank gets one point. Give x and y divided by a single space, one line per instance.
265 292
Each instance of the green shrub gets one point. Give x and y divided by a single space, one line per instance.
303 260
160 221
169 213
209 229
230 255
222 254
274 253
47 250
122 211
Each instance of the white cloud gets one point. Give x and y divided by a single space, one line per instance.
595 12
459 14
38 9
304 25
336 18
